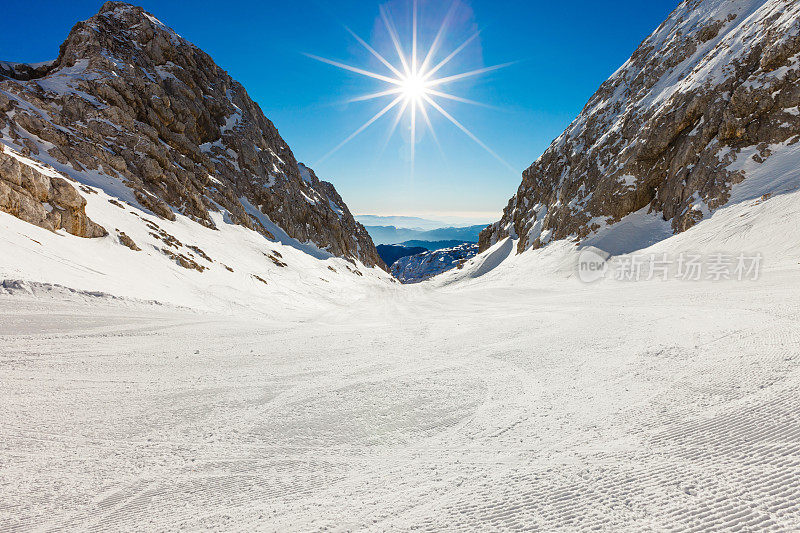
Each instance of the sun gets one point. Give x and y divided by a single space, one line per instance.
412 84
414 88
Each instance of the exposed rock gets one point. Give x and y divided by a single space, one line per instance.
130 98
276 261
201 253
46 201
718 77
127 241
182 260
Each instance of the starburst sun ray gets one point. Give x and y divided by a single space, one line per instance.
366 125
463 75
432 92
413 85
373 96
438 39
395 39
375 53
450 57
469 134
396 122
357 70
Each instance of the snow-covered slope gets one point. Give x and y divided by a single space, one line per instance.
131 108
133 164
765 226
706 101
229 269
517 400
508 395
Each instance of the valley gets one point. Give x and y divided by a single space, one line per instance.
196 333
548 405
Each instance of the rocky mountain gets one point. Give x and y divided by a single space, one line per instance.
135 110
675 133
416 268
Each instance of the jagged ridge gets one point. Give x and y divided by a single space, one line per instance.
716 82
128 101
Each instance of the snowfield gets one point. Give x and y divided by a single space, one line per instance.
506 395
178 376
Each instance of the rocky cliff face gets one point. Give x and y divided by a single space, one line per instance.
715 83
47 201
135 109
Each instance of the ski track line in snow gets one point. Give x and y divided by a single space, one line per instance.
635 407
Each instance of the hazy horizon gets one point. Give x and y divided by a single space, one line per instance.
461 219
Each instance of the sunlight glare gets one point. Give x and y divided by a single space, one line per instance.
411 85
414 88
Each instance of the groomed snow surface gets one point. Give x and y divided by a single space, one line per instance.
506 395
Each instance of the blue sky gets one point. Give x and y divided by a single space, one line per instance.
562 52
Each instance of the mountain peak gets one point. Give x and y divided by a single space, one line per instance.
112 6
670 134
132 105
120 34
131 15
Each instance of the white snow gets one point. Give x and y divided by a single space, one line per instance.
164 71
174 37
308 198
64 81
308 248
270 181
336 208
507 395
234 119
305 174
32 253
634 232
778 174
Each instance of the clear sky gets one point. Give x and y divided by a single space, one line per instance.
562 52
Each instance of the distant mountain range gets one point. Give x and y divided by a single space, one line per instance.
394 235
408 222
402 222
431 245
419 267
392 252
